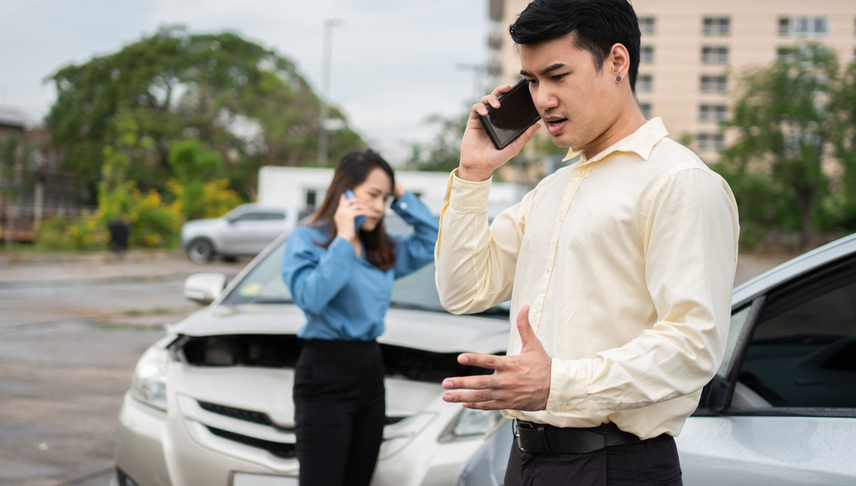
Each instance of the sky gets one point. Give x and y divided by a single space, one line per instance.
393 64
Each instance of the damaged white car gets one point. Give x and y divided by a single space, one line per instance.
210 403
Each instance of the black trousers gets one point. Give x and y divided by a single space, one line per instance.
339 411
652 461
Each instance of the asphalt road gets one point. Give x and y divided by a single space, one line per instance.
70 335
71 331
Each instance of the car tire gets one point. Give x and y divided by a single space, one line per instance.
200 250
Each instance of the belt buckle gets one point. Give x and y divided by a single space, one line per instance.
532 438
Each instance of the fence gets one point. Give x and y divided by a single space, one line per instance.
17 223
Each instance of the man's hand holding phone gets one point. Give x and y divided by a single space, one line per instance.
479 156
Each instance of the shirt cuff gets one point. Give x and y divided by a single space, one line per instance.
467 196
568 381
403 203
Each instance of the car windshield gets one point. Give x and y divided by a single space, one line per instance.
264 284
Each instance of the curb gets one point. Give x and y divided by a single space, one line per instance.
94 258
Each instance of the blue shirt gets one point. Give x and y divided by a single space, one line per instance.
343 296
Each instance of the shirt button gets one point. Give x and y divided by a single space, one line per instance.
403 205
579 173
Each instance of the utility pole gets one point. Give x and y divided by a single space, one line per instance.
325 89
478 71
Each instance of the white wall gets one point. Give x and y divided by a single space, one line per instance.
288 186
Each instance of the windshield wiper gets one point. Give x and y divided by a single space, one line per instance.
270 300
408 306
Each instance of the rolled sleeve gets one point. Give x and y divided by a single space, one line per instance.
475 260
417 249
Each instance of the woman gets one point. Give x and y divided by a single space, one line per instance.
341 276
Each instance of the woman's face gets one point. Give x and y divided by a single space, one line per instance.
375 192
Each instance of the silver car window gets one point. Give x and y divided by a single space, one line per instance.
802 353
251 217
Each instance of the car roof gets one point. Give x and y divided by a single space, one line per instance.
793 268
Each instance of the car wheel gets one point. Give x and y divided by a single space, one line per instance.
200 250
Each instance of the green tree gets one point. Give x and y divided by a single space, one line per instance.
246 102
784 122
443 152
844 103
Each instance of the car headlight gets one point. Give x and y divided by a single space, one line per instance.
149 382
470 423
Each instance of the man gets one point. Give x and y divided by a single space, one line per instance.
619 267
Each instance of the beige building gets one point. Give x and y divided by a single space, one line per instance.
693 50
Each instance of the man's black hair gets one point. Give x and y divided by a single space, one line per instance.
597 24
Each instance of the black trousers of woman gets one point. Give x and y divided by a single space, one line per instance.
339 410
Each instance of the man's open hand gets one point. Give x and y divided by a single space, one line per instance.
520 382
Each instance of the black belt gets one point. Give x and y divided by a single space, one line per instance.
542 438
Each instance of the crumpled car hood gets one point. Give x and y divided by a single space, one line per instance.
430 331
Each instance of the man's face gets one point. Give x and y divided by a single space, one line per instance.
577 102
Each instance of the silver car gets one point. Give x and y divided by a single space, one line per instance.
210 403
243 231
781 410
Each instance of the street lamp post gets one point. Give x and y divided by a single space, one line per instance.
325 89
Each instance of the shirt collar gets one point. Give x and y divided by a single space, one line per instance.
641 141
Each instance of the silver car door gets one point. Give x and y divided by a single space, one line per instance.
788 415
241 236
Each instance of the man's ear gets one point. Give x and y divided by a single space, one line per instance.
619 60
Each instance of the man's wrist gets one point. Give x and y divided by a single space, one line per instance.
473 175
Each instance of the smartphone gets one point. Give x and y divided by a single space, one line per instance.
510 120
359 220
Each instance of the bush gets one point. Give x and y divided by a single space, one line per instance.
154 224
84 233
210 199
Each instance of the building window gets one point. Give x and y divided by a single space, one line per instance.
785 54
647 54
646 110
714 84
714 55
711 112
784 25
311 197
804 26
717 25
645 83
646 25
710 141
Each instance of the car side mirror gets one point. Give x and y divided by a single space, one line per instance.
204 288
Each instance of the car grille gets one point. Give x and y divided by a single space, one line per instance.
241 414
261 417
279 449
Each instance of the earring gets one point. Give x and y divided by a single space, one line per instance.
618 78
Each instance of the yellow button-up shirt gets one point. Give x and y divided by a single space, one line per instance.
627 262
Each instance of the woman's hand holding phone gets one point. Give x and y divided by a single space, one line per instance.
479 157
349 216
